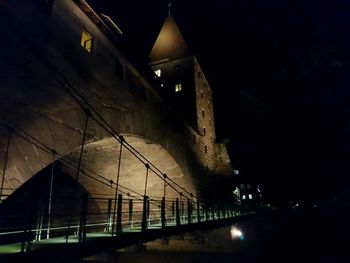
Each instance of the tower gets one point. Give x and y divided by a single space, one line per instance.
184 86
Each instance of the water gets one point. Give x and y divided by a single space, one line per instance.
302 236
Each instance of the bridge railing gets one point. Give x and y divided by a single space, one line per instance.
76 219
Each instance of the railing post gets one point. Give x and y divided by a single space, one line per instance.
109 215
189 211
26 242
144 214
130 214
182 211
177 212
198 212
148 212
173 211
82 223
163 212
119 214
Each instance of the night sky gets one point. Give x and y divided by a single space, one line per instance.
280 75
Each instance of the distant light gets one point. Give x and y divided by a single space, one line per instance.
158 73
250 196
243 197
236 233
236 172
162 85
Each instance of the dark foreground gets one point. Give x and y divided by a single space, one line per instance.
312 235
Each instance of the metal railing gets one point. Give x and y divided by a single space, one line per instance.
29 221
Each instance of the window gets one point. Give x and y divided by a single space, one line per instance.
205 149
204 131
86 41
158 73
178 87
203 113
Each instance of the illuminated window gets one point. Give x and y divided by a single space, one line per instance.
250 196
158 73
86 41
178 87
243 197
162 85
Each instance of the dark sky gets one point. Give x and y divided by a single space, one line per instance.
280 75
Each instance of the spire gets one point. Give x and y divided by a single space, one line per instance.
169 7
170 43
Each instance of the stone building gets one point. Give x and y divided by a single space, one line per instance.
55 46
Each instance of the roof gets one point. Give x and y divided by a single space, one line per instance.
170 43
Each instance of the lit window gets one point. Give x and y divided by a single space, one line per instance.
158 73
178 87
243 197
250 196
162 85
86 41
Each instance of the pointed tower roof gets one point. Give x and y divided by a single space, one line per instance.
170 43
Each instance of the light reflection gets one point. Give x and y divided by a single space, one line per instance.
236 233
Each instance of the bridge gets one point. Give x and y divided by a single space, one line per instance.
93 146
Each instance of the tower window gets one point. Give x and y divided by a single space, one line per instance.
86 41
178 87
206 149
203 113
204 131
158 73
